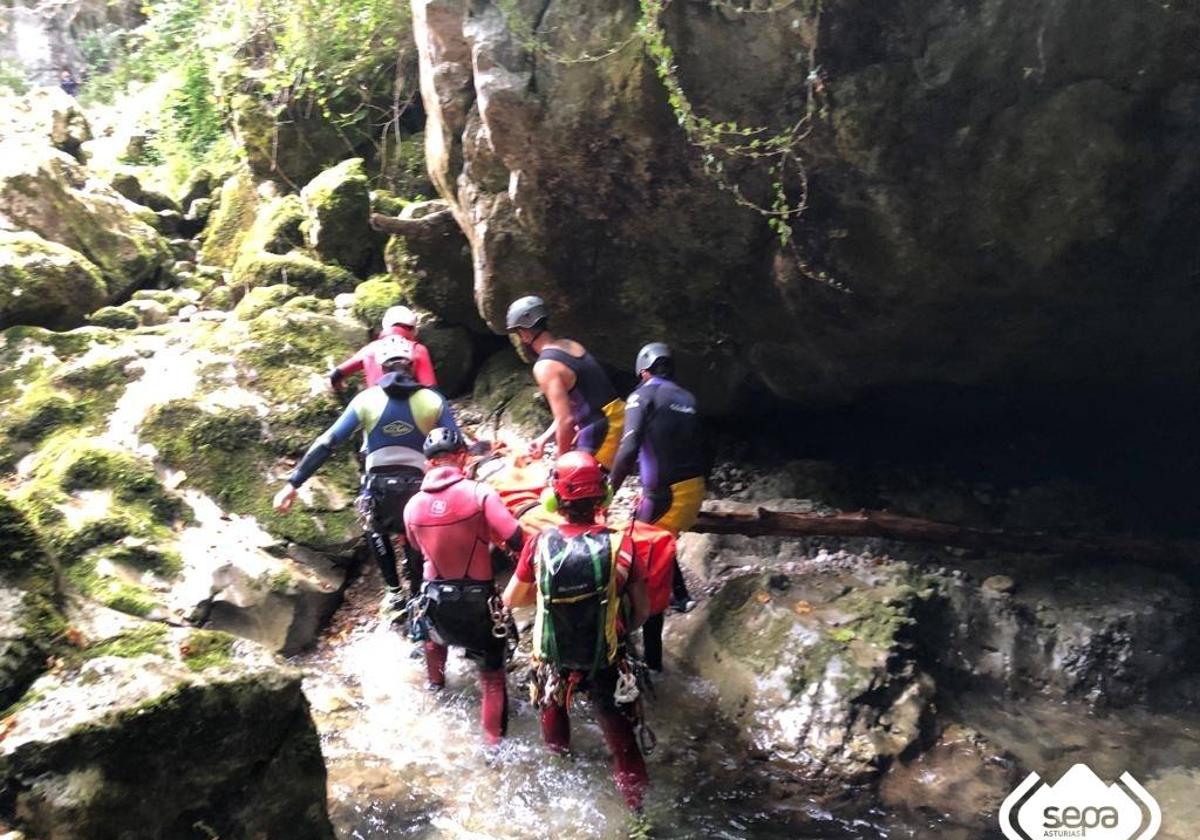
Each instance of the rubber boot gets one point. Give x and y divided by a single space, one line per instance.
556 728
435 665
628 766
493 685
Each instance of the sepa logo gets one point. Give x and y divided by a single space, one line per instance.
1080 805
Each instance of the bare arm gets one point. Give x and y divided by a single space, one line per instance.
551 377
518 593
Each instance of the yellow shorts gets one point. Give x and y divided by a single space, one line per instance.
686 498
614 412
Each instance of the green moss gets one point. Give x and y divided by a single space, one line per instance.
373 297
295 269
171 301
146 639
230 221
338 204
207 649
309 303
70 463
276 228
387 203
164 562
112 592
47 413
43 282
262 298
99 375
24 557
114 318
222 297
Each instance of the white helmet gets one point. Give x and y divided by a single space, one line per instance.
394 349
399 315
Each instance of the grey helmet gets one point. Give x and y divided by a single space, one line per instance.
526 312
651 353
443 442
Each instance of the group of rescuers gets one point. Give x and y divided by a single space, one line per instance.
588 582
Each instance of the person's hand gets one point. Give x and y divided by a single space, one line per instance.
284 498
536 448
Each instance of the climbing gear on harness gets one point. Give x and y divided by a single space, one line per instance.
627 688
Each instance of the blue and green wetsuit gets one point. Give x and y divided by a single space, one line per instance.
396 416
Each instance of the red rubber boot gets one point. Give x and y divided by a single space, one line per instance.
435 665
493 686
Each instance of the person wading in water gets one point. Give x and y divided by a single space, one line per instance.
453 521
579 574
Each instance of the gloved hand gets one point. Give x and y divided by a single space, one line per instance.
394 606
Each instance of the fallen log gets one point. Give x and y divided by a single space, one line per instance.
755 521
427 228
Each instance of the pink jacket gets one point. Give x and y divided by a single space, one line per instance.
365 360
452 520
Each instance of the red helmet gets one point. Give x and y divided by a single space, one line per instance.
578 475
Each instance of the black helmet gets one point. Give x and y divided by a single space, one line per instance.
526 312
442 442
653 352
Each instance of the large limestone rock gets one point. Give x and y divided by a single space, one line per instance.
431 262
815 664
998 193
151 732
338 204
48 114
45 284
47 192
1108 636
149 459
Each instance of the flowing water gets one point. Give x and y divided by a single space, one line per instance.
405 763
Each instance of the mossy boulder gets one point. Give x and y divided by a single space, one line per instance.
48 193
49 114
199 184
505 391
431 261
338 205
288 143
452 351
114 318
818 667
277 227
258 300
46 284
231 220
151 734
129 185
31 623
293 269
373 297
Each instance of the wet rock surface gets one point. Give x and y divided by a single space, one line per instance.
996 169
144 734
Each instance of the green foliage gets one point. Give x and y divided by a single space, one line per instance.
148 638
195 124
13 78
207 649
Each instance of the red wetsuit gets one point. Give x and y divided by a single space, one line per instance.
452 521
372 370
628 765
